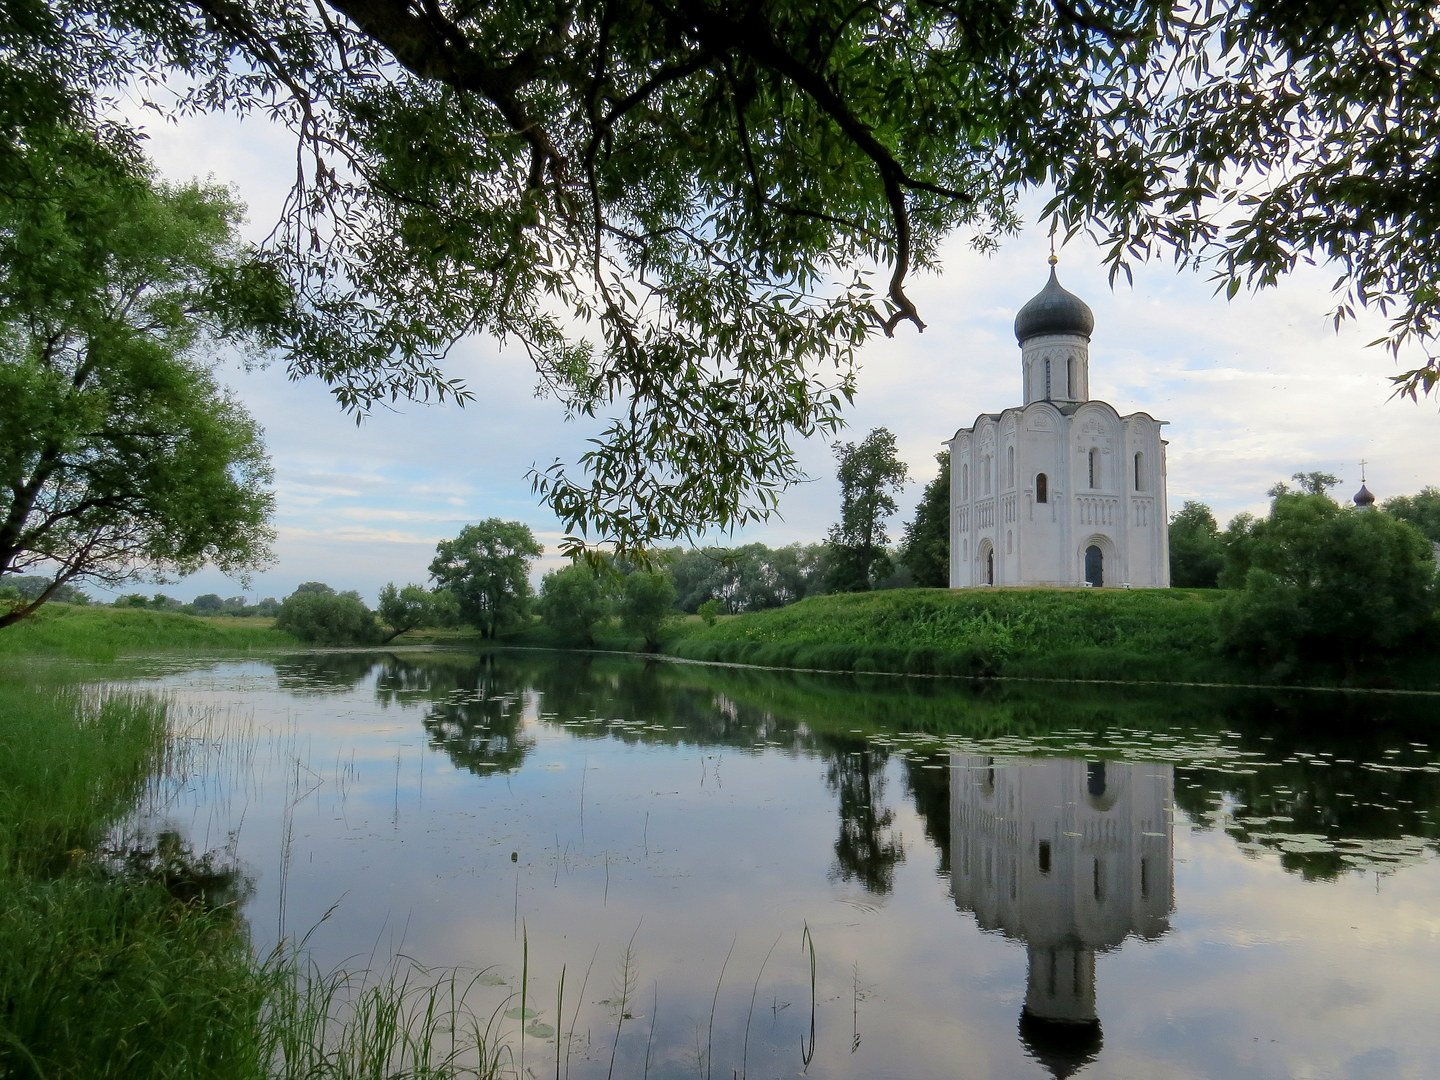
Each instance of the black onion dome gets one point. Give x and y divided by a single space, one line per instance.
1053 310
1363 498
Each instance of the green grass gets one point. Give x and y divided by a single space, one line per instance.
103 633
1060 633
71 761
101 974
110 966
110 978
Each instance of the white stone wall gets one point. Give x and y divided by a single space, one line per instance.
1000 531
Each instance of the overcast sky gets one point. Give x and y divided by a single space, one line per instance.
1253 390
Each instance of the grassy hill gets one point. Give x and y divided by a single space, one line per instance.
1139 634
102 633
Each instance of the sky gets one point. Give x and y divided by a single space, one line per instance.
1253 390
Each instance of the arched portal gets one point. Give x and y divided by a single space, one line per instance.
985 563
1094 566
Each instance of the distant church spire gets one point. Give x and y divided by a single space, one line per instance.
1363 499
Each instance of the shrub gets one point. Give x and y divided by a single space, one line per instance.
327 618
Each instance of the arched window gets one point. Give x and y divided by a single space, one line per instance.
1045 856
1072 390
965 481
1047 378
1009 542
1139 471
1042 488
1010 467
1094 467
987 464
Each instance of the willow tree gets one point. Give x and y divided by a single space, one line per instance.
691 213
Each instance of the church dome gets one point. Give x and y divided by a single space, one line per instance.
1363 499
1053 310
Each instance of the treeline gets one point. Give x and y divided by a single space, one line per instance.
1204 556
204 604
22 588
1316 585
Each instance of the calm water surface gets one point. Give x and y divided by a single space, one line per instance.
1012 882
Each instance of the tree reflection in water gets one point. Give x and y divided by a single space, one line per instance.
1047 810
867 849
1309 762
475 714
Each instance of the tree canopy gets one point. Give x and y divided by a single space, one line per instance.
1197 550
120 456
1328 584
715 204
315 613
646 604
406 608
926 547
574 599
871 474
1421 510
486 568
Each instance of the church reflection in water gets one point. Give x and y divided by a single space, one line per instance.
1070 857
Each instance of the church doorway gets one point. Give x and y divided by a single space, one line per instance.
987 563
1094 566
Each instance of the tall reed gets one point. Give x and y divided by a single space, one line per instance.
111 967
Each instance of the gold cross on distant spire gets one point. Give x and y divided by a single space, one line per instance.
1363 463
1052 260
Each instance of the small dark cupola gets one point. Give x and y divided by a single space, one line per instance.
1363 499
1054 310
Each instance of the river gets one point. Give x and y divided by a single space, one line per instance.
654 869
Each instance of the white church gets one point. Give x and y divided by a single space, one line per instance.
1061 489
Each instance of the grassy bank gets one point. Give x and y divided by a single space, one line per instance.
1054 633
102 972
1139 635
103 633
131 960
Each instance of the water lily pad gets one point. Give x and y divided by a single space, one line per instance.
1305 847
